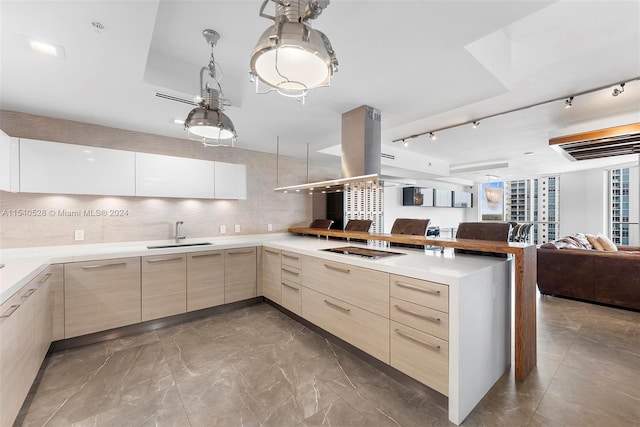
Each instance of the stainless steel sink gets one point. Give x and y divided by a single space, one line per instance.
179 245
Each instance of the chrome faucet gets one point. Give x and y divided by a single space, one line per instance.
178 236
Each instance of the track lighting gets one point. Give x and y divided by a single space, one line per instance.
617 91
568 103
476 124
432 135
405 142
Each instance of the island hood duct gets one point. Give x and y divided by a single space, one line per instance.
361 147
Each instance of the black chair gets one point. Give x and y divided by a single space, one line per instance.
491 231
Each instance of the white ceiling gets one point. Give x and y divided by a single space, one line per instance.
425 64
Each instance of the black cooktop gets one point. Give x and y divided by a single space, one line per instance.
363 252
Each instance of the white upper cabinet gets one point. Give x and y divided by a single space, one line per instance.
168 176
231 181
52 167
9 163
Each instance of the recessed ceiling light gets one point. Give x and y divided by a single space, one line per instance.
47 48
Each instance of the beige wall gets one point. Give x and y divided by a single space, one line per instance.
152 218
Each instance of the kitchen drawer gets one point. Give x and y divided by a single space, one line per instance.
362 287
421 356
429 294
292 274
291 259
292 296
164 286
425 319
363 329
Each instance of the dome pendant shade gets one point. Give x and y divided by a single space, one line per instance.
290 56
210 124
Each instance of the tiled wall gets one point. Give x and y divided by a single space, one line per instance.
152 218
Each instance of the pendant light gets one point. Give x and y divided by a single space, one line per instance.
290 56
207 122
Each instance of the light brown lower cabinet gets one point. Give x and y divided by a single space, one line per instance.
239 274
421 356
25 336
205 279
292 297
56 284
365 330
271 279
100 295
164 286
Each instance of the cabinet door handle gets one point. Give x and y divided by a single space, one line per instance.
165 259
295 273
290 287
341 270
45 278
28 293
346 310
272 252
417 288
291 256
418 340
113 264
205 255
413 313
240 252
10 311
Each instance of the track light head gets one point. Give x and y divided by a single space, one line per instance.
618 91
405 142
432 135
568 103
476 124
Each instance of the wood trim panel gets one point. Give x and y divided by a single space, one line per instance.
596 134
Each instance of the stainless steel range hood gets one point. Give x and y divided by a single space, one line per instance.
361 146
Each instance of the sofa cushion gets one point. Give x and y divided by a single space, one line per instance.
607 244
595 242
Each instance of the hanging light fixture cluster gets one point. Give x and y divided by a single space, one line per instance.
290 56
207 122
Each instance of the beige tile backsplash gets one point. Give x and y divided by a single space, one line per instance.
151 218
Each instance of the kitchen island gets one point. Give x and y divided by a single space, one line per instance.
458 343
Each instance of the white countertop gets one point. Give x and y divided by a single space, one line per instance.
23 264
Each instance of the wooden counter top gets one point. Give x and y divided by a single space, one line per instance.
525 281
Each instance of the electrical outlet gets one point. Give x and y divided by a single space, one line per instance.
223 229
78 235
269 227
237 228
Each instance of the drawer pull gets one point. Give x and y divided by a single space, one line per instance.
10 311
45 278
175 258
428 344
291 287
240 252
342 270
295 273
272 252
205 255
422 316
417 288
28 293
291 256
113 264
346 310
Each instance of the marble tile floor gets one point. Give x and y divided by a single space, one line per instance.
257 367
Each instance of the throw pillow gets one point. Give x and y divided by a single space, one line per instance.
595 242
607 244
